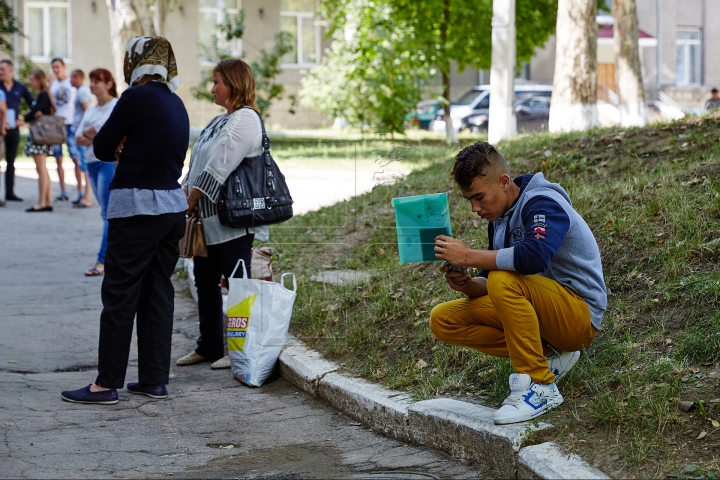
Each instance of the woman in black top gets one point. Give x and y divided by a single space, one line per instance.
41 106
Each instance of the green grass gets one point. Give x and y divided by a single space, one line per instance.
651 196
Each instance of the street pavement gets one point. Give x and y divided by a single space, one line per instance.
49 320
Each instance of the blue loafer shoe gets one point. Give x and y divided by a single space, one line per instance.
151 390
84 395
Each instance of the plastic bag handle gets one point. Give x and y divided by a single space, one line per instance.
282 280
244 270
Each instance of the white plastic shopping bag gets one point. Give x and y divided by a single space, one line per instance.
258 320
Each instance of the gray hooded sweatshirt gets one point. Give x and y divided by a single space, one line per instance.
542 234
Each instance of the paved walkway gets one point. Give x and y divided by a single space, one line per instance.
49 324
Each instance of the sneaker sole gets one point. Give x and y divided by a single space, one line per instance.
524 418
110 402
159 397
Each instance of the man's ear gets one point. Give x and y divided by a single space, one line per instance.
505 181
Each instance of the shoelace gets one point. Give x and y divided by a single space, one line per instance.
515 399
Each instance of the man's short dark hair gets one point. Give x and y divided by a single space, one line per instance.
475 161
78 73
714 90
7 62
57 59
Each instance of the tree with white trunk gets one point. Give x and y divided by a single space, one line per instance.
574 99
628 76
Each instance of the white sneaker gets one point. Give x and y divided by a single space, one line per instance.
561 362
527 400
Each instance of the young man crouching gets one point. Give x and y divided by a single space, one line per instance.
540 296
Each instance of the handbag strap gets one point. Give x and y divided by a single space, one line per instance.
265 140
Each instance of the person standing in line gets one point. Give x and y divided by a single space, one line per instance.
714 101
42 105
3 126
222 146
63 95
102 85
15 92
148 134
83 98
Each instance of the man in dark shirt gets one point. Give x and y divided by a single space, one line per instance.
15 92
714 101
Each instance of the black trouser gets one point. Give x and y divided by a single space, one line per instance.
141 257
221 260
12 140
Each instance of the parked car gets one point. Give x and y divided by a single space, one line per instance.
476 103
424 113
532 112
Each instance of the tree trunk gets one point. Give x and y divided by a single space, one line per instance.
628 76
449 129
574 99
159 15
125 24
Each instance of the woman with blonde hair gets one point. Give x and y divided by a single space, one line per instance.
222 146
42 105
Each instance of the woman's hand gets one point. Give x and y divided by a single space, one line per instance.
192 200
38 114
119 148
451 250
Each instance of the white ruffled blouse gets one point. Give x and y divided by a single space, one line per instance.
222 145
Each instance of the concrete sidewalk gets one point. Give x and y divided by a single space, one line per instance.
49 317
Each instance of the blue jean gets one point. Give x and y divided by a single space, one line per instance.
101 173
73 150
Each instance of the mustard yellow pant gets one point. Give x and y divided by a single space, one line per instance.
518 317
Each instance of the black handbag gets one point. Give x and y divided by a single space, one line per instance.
256 193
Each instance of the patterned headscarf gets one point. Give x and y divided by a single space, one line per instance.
151 56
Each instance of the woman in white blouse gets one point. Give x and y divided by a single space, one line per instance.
222 145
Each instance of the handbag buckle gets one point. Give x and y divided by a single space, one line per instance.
258 203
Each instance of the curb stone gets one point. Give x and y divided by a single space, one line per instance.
464 430
467 431
548 460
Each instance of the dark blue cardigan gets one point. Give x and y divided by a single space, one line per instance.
157 128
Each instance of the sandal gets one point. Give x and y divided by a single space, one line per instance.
80 205
222 363
95 272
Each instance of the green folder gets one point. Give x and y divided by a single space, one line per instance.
419 220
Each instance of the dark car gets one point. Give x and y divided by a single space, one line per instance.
531 110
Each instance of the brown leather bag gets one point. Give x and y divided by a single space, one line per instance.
48 130
193 243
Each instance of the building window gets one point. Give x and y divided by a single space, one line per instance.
298 18
689 57
48 30
211 14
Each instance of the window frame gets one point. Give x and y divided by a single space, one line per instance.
298 38
686 45
46 57
220 14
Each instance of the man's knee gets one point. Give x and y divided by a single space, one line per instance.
438 322
499 280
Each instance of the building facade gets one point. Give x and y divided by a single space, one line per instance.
78 32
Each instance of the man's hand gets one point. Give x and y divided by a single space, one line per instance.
456 280
451 250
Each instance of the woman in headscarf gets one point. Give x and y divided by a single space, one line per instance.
147 133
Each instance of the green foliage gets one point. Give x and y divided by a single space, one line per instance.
370 79
8 25
265 68
384 50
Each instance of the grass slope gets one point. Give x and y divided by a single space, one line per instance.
651 196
